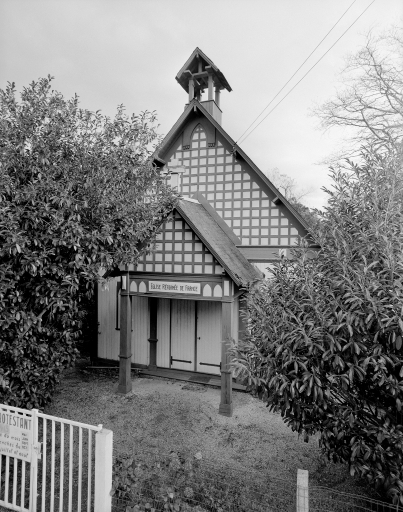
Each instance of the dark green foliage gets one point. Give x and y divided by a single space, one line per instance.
72 202
324 346
179 484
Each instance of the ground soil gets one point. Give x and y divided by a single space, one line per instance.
162 415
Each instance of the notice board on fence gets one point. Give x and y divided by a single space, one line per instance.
16 435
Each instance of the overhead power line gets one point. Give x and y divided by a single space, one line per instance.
309 70
292 76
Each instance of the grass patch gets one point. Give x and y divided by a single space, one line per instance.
253 450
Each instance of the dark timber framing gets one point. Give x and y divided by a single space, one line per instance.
153 305
226 406
228 216
125 382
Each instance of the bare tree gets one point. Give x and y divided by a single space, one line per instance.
370 100
289 188
287 185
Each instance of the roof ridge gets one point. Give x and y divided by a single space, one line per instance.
191 200
219 243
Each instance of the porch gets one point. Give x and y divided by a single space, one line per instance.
193 377
168 373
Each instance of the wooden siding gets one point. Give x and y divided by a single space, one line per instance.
235 317
233 191
108 335
163 332
178 250
183 334
140 330
208 344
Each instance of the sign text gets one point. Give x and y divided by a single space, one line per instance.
174 287
16 435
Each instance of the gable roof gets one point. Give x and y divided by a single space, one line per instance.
175 131
218 242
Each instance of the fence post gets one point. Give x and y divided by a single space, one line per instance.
302 491
103 471
33 495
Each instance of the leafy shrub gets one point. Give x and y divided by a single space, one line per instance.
154 486
78 195
178 484
324 341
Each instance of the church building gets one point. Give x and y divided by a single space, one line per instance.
179 307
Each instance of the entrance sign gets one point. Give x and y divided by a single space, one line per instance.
30 435
16 435
174 287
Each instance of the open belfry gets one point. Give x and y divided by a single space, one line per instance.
180 306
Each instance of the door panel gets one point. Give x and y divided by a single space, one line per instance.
208 340
140 330
183 329
163 332
108 335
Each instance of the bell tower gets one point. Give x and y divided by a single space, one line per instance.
198 74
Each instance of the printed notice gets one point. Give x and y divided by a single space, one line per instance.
16 435
174 287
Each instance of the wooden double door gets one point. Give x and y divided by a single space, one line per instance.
188 332
196 336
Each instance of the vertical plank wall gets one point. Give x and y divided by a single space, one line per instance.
140 330
183 325
108 336
163 332
208 344
235 320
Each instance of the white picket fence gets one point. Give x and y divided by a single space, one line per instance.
70 467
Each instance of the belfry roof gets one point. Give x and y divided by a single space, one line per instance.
218 242
197 65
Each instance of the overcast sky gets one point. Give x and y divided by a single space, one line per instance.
129 51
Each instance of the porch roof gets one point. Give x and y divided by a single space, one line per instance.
218 242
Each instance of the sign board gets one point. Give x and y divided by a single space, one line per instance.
174 287
16 436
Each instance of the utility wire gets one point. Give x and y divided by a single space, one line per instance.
309 70
292 76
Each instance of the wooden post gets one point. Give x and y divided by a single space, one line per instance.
226 406
125 352
191 89
153 302
302 491
217 96
210 87
103 471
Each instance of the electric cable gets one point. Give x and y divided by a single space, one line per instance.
309 70
292 76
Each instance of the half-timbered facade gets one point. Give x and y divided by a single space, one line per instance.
230 224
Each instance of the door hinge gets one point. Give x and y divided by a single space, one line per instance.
179 360
210 364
